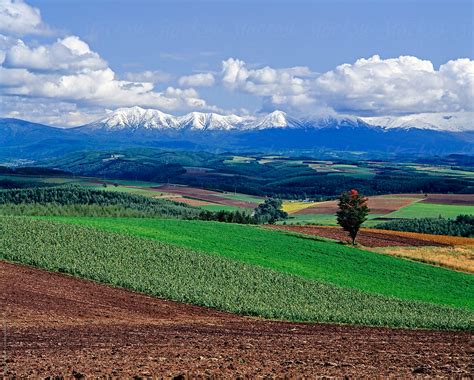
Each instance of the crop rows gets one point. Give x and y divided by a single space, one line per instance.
302 256
179 274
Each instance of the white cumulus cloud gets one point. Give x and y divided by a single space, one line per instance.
18 18
197 80
375 86
69 71
69 54
398 85
283 86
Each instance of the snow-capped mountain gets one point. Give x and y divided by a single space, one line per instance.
334 121
277 131
137 118
140 119
134 118
208 121
449 122
277 119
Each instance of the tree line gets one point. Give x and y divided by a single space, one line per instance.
463 225
78 201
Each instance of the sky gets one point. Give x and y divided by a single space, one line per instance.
70 62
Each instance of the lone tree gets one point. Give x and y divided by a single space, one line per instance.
353 211
269 212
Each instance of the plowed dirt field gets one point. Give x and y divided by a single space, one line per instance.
57 325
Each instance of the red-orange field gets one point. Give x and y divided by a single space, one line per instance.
380 238
61 326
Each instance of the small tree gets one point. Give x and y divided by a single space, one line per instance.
353 211
269 212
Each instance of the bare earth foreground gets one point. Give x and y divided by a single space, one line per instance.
59 325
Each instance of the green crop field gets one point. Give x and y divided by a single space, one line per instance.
131 190
430 210
243 197
217 207
180 274
305 257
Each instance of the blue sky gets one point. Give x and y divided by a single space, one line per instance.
175 39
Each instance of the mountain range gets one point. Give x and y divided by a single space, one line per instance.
137 118
420 134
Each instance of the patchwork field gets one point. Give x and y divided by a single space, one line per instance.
213 198
447 199
378 205
386 207
292 255
295 207
130 334
288 273
446 251
431 210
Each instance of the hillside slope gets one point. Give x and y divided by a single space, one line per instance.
137 335
305 257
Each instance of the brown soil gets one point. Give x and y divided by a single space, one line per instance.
377 205
204 195
451 199
446 199
59 325
369 238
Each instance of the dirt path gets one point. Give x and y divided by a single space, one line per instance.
59 325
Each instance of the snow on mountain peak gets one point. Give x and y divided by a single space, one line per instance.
277 119
136 118
208 121
439 121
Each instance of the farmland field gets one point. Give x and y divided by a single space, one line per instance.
119 238
447 251
431 210
295 206
138 335
214 198
454 257
211 280
307 258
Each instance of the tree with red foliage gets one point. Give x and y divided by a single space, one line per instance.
353 211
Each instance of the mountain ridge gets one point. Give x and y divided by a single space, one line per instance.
151 119
274 132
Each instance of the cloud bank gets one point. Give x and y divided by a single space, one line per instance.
18 18
66 76
368 86
68 70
